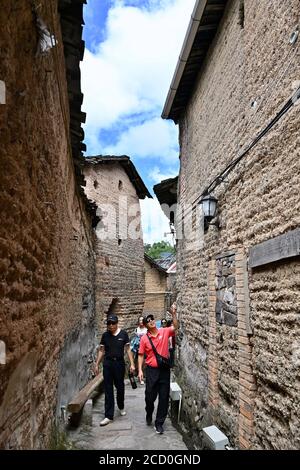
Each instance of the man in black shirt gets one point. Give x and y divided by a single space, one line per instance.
112 345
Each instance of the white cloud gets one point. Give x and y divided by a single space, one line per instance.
105 98
154 138
128 76
157 176
154 222
132 69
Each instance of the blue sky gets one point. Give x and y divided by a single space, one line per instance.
132 48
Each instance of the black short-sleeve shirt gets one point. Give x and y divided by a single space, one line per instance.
114 345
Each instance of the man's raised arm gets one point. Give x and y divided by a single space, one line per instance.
173 310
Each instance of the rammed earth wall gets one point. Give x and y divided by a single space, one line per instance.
47 312
120 283
242 378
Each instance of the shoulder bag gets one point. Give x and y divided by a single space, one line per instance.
162 362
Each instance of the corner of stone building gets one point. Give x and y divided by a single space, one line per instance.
230 373
191 375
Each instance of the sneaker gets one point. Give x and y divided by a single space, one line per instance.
142 382
159 429
148 420
105 421
122 412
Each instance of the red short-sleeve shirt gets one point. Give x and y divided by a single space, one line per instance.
161 343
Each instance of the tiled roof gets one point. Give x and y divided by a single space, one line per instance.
71 20
166 260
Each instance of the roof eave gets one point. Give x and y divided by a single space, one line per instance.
200 35
184 54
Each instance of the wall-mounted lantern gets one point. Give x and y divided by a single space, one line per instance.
209 208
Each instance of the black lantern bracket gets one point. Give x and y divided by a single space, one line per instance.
209 207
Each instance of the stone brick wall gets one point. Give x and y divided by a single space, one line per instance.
258 201
155 291
46 252
171 284
227 346
120 284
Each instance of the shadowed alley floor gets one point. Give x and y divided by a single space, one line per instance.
128 432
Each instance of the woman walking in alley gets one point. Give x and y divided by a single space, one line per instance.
140 331
155 345
112 346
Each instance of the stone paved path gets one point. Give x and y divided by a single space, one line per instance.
125 432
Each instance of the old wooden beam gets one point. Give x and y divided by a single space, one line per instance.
215 7
77 403
207 27
276 249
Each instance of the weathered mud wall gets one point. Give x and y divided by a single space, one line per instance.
120 283
240 383
46 251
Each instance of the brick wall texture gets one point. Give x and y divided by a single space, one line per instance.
246 384
120 283
46 255
155 291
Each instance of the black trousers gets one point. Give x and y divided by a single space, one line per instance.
113 374
157 383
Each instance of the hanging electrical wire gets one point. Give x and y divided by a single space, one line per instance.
293 100
220 178
286 62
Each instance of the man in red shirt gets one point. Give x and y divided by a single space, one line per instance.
157 379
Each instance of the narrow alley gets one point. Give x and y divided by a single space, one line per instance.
128 432
138 205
